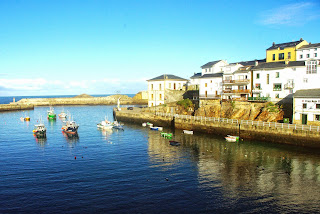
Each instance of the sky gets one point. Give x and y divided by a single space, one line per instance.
70 47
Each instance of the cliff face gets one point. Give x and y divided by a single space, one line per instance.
267 112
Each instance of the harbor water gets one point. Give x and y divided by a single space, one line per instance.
135 170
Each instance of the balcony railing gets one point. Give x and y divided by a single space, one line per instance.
265 99
289 86
257 90
236 82
277 89
240 91
209 97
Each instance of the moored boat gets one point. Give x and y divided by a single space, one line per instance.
156 128
187 132
40 130
71 127
166 135
117 125
105 124
50 113
62 114
231 138
174 143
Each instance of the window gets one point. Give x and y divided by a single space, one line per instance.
151 86
273 57
277 87
281 56
289 55
267 78
206 85
159 86
160 96
301 56
258 86
305 80
317 117
308 55
317 106
315 49
277 74
311 67
315 54
277 95
206 93
210 81
304 105
258 76
151 96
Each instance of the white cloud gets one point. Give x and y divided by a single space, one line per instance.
291 15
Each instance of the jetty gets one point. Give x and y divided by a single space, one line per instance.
15 107
293 134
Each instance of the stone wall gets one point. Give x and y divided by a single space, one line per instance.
15 107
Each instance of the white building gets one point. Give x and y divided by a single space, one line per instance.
210 86
157 88
307 52
277 80
306 107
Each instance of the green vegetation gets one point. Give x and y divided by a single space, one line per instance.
186 103
271 107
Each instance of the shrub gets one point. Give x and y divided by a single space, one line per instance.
186 103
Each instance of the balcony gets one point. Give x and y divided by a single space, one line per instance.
277 89
236 82
257 91
289 86
240 91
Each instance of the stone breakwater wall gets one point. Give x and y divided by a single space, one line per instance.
15 107
247 132
80 101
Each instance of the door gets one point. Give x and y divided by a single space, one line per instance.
304 119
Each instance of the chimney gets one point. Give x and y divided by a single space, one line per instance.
256 63
273 44
286 61
301 39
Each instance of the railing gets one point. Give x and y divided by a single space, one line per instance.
277 89
257 90
214 97
245 81
258 98
244 122
289 86
246 91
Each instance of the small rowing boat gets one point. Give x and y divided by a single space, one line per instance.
231 138
187 132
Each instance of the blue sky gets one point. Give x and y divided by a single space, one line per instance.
100 47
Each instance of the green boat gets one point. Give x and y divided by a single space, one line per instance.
166 135
51 114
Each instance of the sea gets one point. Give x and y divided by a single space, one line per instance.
136 170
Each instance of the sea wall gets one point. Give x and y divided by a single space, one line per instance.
247 132
110 100
15 107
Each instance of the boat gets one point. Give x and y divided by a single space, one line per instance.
187 132
144 124
174 143
231 138
51 114
105 124
156 128
40 130
117 125
166 135
62 114
71 127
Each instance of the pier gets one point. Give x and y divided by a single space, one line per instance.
300 135
15 107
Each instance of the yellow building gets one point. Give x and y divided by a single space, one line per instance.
284 51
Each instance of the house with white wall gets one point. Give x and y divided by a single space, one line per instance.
157 88
277 80
306 107
309 52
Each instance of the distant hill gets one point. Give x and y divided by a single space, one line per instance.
84 96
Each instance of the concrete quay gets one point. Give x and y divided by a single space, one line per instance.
305 138
15 107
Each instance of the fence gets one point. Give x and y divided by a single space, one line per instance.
244 122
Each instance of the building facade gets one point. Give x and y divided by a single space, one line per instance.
157 88
309 52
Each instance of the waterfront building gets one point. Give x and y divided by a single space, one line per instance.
284 51
210 81
309 52
161 88
306 107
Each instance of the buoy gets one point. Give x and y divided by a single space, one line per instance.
75 157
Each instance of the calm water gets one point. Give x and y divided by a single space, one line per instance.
137 171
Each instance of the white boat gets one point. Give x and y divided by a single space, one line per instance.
144 124
156 128
105 124
40 130
117 125
147 124
71 127
187 132
62 114
231 138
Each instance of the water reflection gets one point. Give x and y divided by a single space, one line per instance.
71 138
248 169
41 140
106 133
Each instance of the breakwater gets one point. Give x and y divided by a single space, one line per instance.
268 132
109 100
15 107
